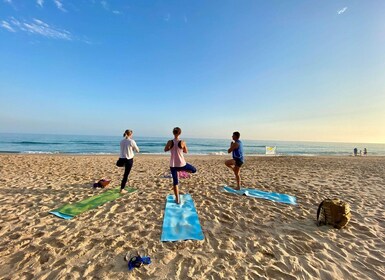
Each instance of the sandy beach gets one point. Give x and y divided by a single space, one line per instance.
245 238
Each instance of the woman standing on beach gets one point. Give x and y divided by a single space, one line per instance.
177 161
127 147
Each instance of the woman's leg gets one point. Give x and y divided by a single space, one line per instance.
189 168
174 173
127 169
175 180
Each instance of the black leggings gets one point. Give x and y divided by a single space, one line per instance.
127 168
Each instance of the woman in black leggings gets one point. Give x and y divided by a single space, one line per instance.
127 147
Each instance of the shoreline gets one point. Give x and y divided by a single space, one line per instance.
191 155
244 237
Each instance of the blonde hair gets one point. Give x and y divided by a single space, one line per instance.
127 133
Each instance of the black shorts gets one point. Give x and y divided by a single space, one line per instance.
238 162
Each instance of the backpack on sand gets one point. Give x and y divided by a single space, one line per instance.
333 212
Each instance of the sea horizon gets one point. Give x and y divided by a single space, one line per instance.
30 143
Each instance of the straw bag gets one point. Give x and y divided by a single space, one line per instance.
333 212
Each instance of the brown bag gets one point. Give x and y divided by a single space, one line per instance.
102 183
333 212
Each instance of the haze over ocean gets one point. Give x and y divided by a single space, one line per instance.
83 144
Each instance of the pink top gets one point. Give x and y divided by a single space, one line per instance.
177 158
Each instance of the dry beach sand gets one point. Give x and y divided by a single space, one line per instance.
245 238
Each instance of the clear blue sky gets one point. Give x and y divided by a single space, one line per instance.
274 70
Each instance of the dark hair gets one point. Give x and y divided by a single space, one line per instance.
176 131
236 134
128 132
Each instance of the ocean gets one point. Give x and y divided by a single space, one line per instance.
85 144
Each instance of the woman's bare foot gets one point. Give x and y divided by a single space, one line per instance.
123 191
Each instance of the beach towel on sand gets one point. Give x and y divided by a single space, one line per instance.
69 211
180 221
276 197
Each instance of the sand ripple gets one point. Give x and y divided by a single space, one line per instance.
245 238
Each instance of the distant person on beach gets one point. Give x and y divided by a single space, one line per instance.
177 162
127 147
365 152
236 148
355 152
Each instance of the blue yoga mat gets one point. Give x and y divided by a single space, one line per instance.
181 221
277 197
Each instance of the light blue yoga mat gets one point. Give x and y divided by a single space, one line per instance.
277 197
181 221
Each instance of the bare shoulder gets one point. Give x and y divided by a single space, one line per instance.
170 143
235 144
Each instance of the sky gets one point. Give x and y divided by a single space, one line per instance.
299 70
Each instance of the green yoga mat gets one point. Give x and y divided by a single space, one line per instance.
69 211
